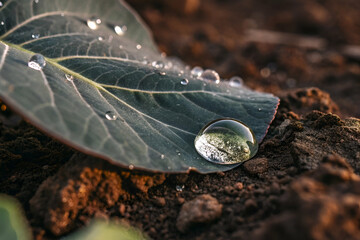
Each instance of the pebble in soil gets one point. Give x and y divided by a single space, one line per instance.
226 141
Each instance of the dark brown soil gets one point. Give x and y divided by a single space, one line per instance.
304 182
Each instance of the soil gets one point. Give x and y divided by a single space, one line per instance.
304 182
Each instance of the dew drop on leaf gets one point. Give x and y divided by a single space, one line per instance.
2 23
37 62
162 156
120 30
69 77
157 64
1 4
184 82
236 81
138 46
210 75
131 167
197 71
100 38
162 73
35 35
93 23
110 115
226 141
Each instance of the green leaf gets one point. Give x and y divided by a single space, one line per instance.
13 225
102 230
157 117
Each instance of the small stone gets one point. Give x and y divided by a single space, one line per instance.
202 209
159 201
250 205
239 185
256 166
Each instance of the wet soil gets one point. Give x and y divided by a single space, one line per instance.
303 183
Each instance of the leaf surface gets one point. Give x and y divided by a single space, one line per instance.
157 116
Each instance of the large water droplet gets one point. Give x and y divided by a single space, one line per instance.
184 82
236 81
110 115
37 62
197 71
93 23
69 77
226 141
120 30
157 64
210 75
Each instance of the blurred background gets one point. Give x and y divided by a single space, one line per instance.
274 45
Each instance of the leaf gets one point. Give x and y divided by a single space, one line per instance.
102 230
157 117
13 225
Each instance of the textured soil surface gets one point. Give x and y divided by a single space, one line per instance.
304 182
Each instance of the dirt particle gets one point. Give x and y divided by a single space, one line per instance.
256 166
203 209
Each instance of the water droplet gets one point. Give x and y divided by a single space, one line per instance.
162 73
179 188
157 64
210 75
197 71
226 141
184 82
121 46
62 14
162 156
35 35
265 72
110 115
131 167
69 77
37 62
236 81
93 23
100 38
2 23
138 47
36 1
120 30
1 4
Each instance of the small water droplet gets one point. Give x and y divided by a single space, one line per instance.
120 30
210 75
36 1
157 64
265 72
236 81
93 23
162 156
100 38
2 23
179 188
1 4
110 115
197 71
121 46
37 62
69 77
162 73
138 47
184 82
131 167
226 141
35 35
62 14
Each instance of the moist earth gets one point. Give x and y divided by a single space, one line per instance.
303 183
